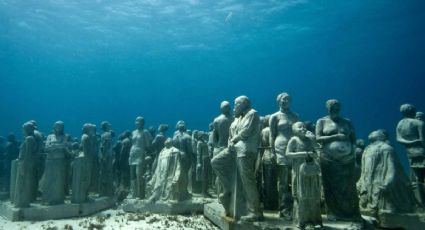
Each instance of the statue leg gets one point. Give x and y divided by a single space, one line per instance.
222 165
246 169
285 194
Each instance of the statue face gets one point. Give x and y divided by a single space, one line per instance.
334 110
139 124
168 143
240 106
299 129
59 128
285 102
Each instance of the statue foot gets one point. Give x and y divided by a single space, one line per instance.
251 217
286 214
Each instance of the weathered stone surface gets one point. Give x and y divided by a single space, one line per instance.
215 213
40 212
411 221
194 205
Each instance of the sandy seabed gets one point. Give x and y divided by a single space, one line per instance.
115 219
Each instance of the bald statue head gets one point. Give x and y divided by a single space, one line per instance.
242 105
225 108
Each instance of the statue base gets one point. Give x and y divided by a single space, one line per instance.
411 221
39 212
190 206
215 213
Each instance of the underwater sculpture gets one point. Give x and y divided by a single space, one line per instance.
182 141
306 188
11 153
166 181
243 148
106 186
270 192
203 163
141 142
122 154
280 132
410 133
383 185
53 182
219 135
39 161
337 161
81 167
221 126
158 144
23 188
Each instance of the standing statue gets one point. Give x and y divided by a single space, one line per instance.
220 134
11 153
203 166
53 182
410 133
306 188
106 186
24 184
141 142
166 181
270 192
158 143
81 167
383 185
243 146
122 154
280 132
337 161
39 160
182 141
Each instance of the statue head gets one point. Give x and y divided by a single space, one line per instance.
225 107
420 116
163 128
284 101
28 129
11 137
360 143
408 110
59 128
203 136
105 126
266 120
86 128
181 126
140 122
34 123
334 107
378 135
299 129
93 129
168 143
242 105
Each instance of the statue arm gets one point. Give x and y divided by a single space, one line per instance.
273 131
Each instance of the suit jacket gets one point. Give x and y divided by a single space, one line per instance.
246 129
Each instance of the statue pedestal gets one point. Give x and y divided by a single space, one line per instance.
38 212
411 221
190 206
215 213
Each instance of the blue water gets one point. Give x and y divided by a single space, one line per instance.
88 61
